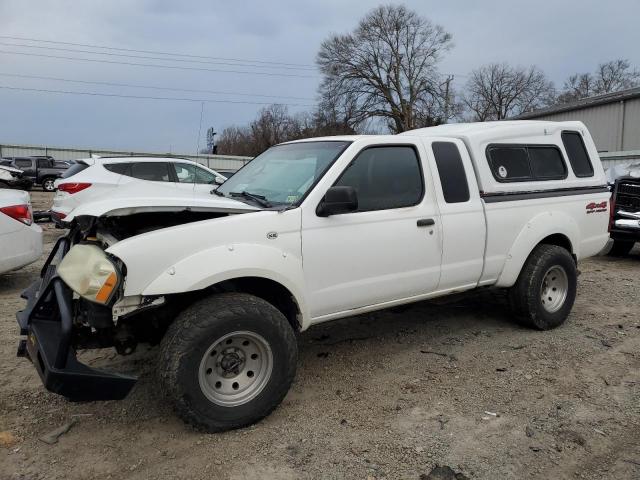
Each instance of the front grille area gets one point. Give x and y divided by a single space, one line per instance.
628 196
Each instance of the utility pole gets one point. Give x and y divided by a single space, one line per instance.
200 128
447 100
211 141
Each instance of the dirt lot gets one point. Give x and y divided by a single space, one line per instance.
388 395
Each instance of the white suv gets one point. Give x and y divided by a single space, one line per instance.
95 177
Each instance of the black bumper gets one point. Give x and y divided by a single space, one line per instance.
630 235
47 322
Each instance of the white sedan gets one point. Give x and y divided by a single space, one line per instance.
97 178
20 238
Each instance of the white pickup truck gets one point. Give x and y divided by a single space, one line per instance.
307 232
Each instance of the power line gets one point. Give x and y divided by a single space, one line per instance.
172 67
155 52
144 97
152 87
146 57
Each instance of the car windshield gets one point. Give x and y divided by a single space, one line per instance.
283 174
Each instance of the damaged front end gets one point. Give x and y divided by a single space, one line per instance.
54 327
78 303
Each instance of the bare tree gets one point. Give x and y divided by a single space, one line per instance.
274 125
498 91
609 77
387 69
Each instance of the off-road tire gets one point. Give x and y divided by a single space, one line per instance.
48 184
191 335
525 296
620 248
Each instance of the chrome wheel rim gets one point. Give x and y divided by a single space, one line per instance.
235 368
48 185
555 285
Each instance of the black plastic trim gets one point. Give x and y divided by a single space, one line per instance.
557 192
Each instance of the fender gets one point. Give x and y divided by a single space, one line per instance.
231 262
197 255
533 232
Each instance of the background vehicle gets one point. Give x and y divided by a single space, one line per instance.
93 178
20 238
41 170
624 228
311 231
13 178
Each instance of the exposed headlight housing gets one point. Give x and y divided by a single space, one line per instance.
90 273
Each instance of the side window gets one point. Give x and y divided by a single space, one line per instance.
204 176
577 153
23 163
509 164
119 168
152 171
451 171
44 163
185 172
384 178
547 163
521 163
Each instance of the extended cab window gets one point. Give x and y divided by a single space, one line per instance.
577 153
152 171
385 177
521 163
453 178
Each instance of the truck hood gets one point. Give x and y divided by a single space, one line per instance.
123 202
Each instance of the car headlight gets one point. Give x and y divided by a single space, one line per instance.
90 273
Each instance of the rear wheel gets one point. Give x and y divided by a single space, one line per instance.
544 293
227 361
620 248
48 184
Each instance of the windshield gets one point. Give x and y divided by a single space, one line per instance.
284 173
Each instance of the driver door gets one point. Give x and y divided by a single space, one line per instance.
389 249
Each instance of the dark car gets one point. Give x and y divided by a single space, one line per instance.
41 170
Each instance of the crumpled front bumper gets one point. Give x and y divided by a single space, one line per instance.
47 322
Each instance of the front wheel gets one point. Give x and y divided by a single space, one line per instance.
544 293
227 361
48 184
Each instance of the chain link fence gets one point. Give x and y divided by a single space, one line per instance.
216 162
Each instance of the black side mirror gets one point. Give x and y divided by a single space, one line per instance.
338 200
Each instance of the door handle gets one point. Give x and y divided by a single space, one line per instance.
426 222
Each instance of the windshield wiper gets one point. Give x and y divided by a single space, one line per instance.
216 192
259 199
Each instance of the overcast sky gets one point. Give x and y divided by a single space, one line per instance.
559 36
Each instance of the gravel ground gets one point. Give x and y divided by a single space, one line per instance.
388 395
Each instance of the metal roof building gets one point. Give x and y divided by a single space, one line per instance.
613 120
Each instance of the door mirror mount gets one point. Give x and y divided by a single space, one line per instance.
338 200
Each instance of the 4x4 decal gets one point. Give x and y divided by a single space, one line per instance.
594 207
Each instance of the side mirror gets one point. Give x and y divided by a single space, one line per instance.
219 181
338 200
